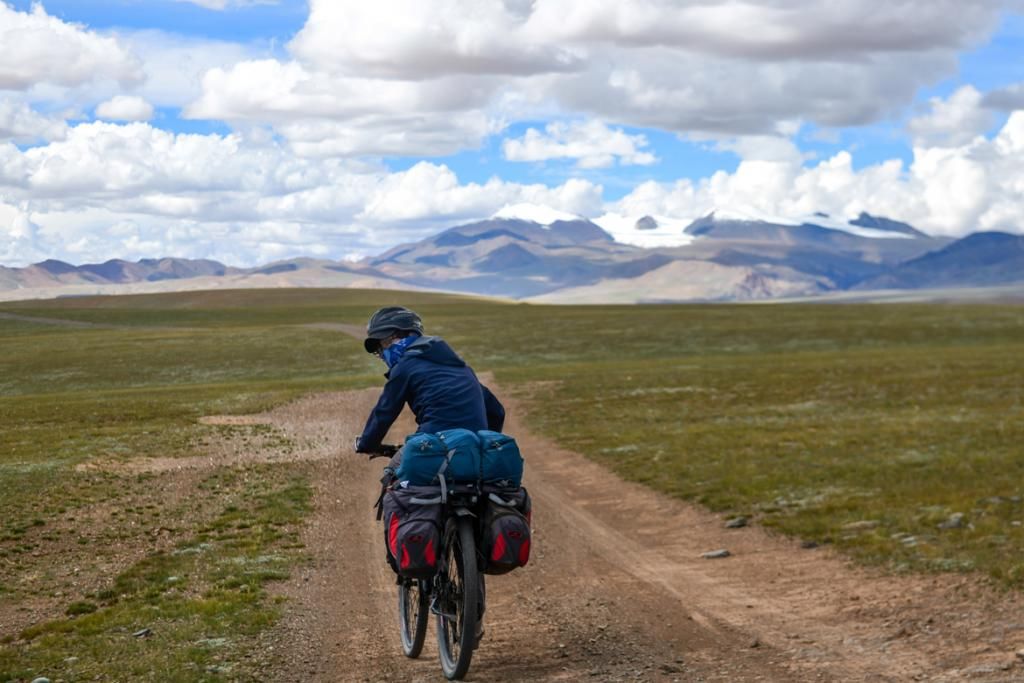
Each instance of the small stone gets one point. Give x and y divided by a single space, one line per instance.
41 679
955 521
716 554
755 643
1020 655
70 660
143 633
736 523
809 545
862 525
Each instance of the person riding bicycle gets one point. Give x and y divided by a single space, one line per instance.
425 373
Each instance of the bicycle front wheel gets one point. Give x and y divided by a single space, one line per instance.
458 589
413 612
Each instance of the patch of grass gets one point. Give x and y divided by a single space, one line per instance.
80 607
904 423
210 588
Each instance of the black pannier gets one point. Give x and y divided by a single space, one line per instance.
412 530
506 530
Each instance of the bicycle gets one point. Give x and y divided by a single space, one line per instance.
455 594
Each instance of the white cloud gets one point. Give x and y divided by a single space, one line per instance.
946 190
428 190
433 78
125 108
329 115
774 30
762 148
1009 98
20 239
42 49
411 39
20 123
174 65
239 198
591 143
952 122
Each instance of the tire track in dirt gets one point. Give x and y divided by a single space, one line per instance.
616 589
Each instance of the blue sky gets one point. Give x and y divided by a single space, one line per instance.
340 127
276 22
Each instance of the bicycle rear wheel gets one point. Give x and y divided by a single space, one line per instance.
413 612
457 593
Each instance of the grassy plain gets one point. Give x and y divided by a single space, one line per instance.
865 426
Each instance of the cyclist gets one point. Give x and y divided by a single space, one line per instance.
442 391
424 372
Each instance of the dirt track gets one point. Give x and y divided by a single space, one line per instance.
617 590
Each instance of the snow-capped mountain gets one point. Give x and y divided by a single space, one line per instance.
650 232
533 252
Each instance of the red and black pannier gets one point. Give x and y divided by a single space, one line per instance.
412 530
506 530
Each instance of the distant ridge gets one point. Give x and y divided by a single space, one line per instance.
722 256
981 259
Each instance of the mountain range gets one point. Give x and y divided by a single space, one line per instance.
540 255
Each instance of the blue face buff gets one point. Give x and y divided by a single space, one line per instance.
394 353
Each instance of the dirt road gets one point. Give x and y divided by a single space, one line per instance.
617 589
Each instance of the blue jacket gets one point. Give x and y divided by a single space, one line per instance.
441 390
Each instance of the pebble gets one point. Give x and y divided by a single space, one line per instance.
41 679
736 523
1020 654
809 545
862 525
955 521
716 554
143 633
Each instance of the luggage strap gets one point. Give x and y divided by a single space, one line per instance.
441 477
495 498
379 505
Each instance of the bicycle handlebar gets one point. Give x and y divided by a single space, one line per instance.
385 451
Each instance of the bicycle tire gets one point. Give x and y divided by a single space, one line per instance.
413 615
459 588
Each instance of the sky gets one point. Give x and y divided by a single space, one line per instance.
249 131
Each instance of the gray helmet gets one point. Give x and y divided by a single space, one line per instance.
386 321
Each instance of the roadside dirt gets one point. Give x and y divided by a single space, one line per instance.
617 589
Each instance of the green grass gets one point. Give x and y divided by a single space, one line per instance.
861 426
199 602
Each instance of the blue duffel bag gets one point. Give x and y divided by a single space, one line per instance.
501 463
463 453
423 456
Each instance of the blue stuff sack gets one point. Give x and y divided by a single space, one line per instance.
501 463
462 447
422 458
